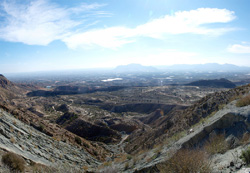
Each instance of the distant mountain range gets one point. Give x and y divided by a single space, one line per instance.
209 67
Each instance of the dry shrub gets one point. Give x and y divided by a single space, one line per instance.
243 101
126 166
78 140
12 140
39 168
216 144
188 161
245 139
14 162
245 156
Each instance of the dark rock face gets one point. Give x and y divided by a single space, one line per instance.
123 127
152 117
67 117
218 83
63 108
93 132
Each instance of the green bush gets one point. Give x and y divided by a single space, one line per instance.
14 162
78 140
129 157
245 156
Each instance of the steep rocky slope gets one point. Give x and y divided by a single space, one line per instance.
11 97
8 90
33 145
4 82
232 121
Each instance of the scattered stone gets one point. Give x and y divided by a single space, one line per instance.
238 165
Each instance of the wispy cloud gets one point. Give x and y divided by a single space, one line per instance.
39 22
239 48
108 38
183 22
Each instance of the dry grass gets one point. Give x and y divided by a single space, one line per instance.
12 140
14 162
11 129
216 144
187 161
122 157
39 168
245 101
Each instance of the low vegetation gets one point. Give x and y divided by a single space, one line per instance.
14 162
78 140
188 161
245 156
216 144
244 101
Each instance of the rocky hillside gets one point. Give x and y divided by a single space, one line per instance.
8 90
60 132
4 82
11 97
231 121
22 139
177 121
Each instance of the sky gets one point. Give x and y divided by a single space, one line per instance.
47 35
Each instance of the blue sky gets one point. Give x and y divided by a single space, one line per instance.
45 35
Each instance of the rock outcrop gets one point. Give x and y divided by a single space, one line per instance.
33 145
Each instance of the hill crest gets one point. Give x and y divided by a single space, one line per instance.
218 83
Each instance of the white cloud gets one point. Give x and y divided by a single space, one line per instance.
238 48
187 22
108 38
38 22
180 23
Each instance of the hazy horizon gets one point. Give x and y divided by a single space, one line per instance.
54 35
161 68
